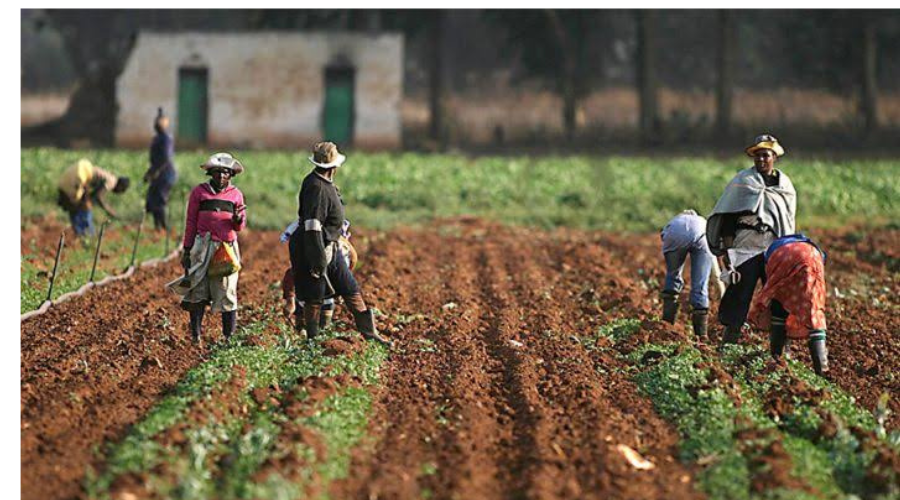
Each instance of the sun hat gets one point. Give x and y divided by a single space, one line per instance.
765 141
223 160
326 155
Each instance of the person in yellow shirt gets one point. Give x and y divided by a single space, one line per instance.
80 185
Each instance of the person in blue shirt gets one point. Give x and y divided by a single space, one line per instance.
685 235
161 175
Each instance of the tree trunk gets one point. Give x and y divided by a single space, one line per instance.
435 83
567 77
725 62
869 77
646 77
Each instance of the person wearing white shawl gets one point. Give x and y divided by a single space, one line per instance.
758 206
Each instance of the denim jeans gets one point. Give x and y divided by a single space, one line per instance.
82 222
701 265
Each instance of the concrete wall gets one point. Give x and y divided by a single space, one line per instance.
265 89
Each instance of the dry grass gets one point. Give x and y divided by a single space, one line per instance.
39 108
533 113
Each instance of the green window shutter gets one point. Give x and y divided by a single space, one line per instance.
192 106
338 110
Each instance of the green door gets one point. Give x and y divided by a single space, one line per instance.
192 106
338 113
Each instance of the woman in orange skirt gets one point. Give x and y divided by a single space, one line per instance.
795 270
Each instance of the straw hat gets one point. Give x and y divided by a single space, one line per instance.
765 141
223 160
326 155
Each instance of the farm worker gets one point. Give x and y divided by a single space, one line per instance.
292 306
685 235
161 175
795 272
211 257
80 185
757 207
318 273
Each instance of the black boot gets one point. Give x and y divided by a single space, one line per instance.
670 306
699 321
311 319
365 324
229 323
731 335
299 321
778 341
818 352
196 324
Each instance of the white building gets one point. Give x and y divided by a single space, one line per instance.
279 90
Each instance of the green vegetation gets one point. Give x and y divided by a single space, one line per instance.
78 258
221 425
730 413
382 190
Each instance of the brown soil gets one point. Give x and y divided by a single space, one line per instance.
96 364
862 308
491 391
491 394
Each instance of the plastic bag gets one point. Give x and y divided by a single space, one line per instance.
223 262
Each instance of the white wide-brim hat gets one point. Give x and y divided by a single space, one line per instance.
223 160
326 155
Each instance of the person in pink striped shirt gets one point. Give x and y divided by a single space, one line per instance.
215 214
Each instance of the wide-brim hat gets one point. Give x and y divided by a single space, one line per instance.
223 160
765 141
326 155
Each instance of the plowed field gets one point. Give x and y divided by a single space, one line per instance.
489 386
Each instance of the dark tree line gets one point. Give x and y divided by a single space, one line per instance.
572 51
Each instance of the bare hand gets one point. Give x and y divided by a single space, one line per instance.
288 308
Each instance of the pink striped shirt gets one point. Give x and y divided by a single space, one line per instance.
217 223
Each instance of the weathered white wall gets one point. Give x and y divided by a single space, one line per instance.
265 89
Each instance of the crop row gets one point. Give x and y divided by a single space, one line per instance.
757 429
266 416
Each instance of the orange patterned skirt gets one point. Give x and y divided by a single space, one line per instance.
795 277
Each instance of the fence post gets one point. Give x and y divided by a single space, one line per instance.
166 252
97 251
137 238
62 242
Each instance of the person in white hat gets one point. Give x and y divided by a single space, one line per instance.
758 206
319 272
211 256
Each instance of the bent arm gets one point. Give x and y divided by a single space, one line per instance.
190 223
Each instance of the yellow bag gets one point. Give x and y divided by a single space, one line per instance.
223 263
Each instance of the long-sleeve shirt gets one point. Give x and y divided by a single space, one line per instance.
683 231
210 212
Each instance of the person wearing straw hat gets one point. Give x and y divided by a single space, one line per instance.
211 256
161 175
758 206
318 271
79 186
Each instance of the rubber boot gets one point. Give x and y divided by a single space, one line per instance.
699 321
299 322
196 324
229 323
818 352
731 335
778 341
670 306
365 324
326 316
311 319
